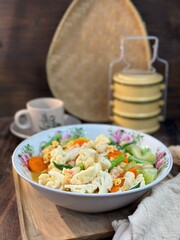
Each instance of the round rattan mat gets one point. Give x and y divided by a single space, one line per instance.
87 39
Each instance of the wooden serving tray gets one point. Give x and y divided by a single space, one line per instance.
40 219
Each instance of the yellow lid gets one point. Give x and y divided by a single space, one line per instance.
138 79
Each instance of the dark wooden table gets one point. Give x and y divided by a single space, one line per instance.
169 134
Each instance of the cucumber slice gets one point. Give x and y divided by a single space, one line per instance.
141 154
145 150
150 174
150 157
134 150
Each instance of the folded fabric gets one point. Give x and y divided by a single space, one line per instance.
175 150
157 216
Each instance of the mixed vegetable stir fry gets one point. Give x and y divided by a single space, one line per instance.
78 164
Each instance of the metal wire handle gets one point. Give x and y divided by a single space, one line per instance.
151 68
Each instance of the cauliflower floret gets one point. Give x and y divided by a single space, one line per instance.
111 148
140 179
86 176
89 144
43 179
72 154
60 156
101 143
53 179
50 166
57 155
46 152
103 181
129 179
84 188
102 138
105 163
69 173
88 157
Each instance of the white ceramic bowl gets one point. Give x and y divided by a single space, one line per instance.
90 203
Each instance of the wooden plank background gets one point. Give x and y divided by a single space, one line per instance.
26 30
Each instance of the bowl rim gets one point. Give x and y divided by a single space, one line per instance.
144 188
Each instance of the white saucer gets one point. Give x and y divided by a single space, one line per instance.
68 120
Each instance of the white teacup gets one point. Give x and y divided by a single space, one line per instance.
40 114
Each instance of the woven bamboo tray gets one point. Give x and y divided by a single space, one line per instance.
87 39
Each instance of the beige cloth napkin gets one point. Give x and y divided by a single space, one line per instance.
157 216
175 150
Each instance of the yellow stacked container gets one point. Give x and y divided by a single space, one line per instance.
138 100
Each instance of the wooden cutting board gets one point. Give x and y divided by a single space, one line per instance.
40 219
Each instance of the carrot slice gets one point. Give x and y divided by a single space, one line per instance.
122 175
114 154
36 164
125 160
115 188
134 170
79 141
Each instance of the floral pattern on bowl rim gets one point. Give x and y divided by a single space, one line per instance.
117 136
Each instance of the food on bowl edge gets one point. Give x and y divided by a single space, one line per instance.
92 161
